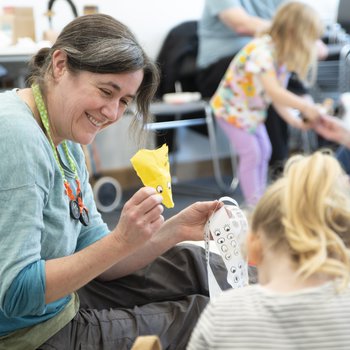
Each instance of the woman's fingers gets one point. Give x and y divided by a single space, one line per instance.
144 200
141 216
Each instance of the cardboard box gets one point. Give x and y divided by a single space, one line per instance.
17 22
90 9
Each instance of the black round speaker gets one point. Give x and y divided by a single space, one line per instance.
107 193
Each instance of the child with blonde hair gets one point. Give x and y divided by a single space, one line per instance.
258 76
299 242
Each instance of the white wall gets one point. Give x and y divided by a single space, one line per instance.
326 8
150 20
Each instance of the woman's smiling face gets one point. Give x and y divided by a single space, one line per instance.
81 104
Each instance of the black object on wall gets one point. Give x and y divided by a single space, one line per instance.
50 5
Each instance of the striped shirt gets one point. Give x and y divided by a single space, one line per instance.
256 318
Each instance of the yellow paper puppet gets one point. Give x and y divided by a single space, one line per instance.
152 166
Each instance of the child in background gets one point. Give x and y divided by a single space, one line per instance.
299 242
256 77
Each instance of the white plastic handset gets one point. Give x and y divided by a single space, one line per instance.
228 227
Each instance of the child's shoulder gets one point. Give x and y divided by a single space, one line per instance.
264 41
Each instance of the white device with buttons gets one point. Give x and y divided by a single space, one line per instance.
228 227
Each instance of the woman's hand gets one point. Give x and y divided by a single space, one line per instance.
291 117
140 218
156 237
189 223
311 112
301 124
333 129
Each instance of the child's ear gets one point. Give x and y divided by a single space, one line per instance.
254 249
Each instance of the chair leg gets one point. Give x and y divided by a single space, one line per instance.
215 156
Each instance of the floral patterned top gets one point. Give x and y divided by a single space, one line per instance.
240 98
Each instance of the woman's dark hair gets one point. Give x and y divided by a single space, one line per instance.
99 43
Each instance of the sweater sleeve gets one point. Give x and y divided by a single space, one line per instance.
215 7
26 293
23 194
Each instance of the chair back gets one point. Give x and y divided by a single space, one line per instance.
177 59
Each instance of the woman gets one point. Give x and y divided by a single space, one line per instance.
300 243
53 240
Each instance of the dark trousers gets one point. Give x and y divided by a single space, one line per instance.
165 298
343 156
277 128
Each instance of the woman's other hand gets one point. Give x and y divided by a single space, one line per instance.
312 112
333 129
189 223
